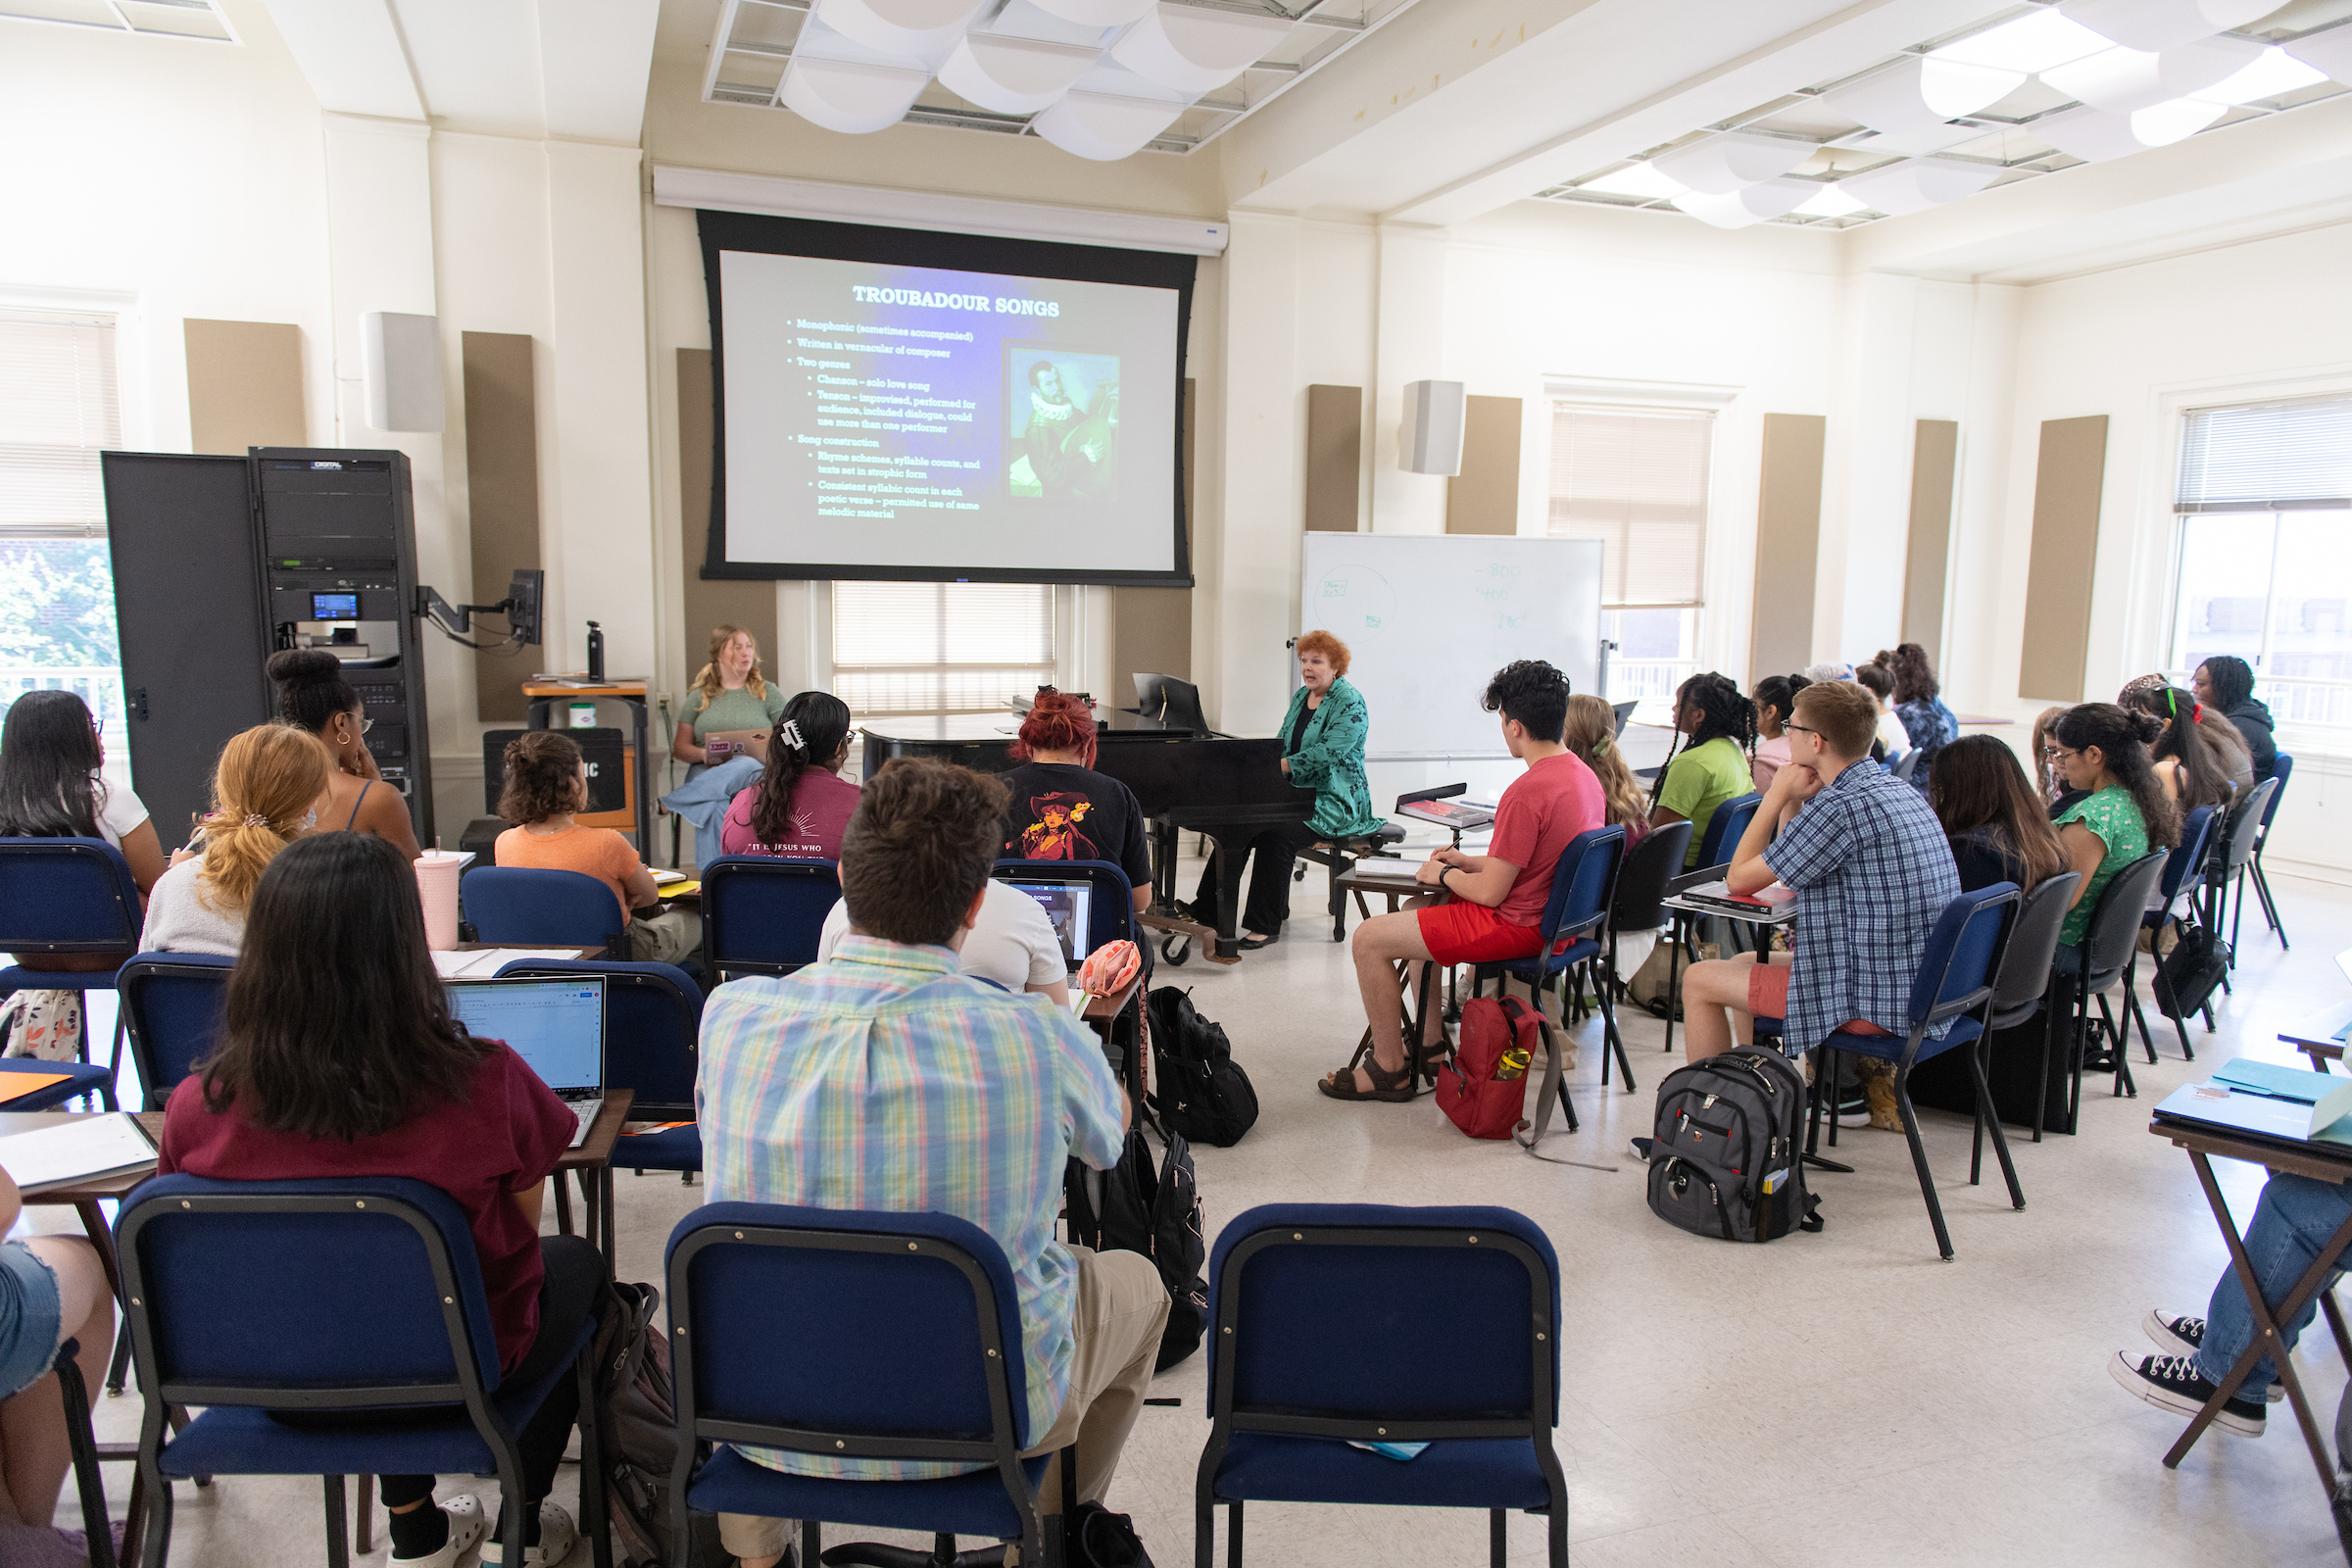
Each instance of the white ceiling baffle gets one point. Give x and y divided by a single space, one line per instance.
1098 79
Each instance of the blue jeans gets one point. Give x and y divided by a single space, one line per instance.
2292 1222
704 797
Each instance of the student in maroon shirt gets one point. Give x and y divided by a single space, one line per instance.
339 1058
1498 898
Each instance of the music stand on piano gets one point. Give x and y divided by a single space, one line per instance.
1172 701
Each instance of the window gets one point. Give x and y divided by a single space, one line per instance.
939 647
58 409
1635 479
2264 565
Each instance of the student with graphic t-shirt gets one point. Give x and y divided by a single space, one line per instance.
1062 809
801 806
1497 910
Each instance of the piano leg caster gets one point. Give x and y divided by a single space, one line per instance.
1176 949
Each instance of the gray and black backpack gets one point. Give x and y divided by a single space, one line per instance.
1726 1156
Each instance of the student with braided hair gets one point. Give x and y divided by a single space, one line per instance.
1712 765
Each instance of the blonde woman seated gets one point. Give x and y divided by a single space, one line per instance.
265 789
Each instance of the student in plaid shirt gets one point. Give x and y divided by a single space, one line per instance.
1871 868
885 1079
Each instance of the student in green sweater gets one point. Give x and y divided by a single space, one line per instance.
729 694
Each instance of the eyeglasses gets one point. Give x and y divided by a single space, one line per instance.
367 724
1807 728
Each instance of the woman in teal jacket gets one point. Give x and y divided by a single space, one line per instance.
1323 750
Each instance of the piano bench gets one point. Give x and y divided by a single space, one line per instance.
1341 856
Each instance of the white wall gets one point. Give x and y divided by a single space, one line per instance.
180 179
2266 319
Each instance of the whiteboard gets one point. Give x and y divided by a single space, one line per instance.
1428 618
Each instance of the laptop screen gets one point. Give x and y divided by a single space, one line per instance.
556 1026
1066 904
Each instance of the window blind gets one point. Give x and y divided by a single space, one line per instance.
939 647
1635 479
2267 457
58 409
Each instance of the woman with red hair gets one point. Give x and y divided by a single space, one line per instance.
1062 809
1323 747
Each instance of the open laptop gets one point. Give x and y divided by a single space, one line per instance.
1068 902
556 1026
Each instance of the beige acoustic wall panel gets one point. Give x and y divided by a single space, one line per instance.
501 489
1934 460
1788 544
2070 476
1335 457
1484 498
1151 628
244 385
749 603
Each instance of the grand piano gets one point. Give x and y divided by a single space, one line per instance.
1188 779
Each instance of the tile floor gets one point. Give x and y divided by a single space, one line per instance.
1840 1400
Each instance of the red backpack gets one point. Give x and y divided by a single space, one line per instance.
1483 1085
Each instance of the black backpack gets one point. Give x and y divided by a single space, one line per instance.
1201 1090
2192 972
636 1414
1727 1158
1156 1213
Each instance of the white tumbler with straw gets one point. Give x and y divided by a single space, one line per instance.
437 886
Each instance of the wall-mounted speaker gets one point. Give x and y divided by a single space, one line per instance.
1429 440
400 356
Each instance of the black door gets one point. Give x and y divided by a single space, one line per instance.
188 600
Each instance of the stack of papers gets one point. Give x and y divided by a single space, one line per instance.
483 964
75 1151
2324 1099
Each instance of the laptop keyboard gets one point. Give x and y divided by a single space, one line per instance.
584 1107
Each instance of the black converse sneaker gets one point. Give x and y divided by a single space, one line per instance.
2172 1382
2185 1335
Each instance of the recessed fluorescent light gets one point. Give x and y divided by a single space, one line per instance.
2035 42
2272 75
1829 203
1634 179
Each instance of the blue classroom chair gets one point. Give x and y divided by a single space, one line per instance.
762 914
745 1278
353 1293
1956 980
1726 827
69 898
172 1003
2183 871
523 907
1286 1402
1584 890
2281 768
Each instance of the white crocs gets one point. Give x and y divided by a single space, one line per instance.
465 1527
557 1537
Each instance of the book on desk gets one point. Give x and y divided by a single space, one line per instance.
2267 1100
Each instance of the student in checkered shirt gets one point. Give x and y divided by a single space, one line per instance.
1871 868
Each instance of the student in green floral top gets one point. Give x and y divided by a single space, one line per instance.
1323 746
2103 748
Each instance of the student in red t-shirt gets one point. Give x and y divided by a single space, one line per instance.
1498 897
339 1058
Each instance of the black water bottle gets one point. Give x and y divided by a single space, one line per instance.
596 654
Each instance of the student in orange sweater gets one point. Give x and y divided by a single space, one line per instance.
546 783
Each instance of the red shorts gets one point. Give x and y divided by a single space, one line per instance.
1462 932
1768 997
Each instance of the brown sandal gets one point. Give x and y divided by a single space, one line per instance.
1394 1087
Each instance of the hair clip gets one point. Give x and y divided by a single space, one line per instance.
256 819
792 735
